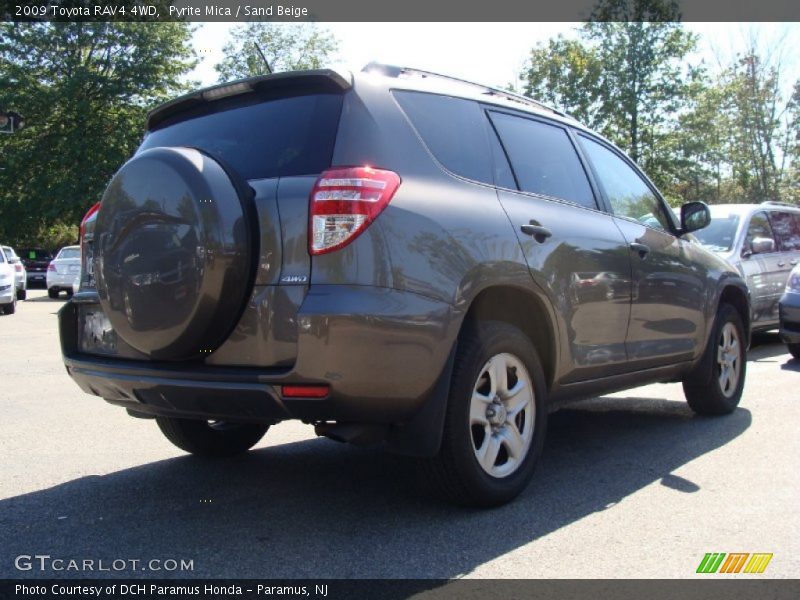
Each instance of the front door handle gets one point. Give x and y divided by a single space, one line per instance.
642 249
793 262
539 233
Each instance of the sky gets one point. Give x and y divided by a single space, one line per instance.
488 53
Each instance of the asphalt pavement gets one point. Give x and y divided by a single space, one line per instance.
631 485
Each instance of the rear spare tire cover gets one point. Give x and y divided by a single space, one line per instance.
173 252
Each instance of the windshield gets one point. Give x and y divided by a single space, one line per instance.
70 253
720 234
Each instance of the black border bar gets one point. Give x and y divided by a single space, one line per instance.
713 587
377 10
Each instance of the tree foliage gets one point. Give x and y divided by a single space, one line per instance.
84 89
287 47
727 137
627 79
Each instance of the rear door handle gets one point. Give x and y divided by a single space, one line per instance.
642 249
539 233
781 264
793 262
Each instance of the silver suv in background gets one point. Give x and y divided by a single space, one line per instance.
763 242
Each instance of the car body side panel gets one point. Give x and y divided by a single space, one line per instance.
670 294
585 270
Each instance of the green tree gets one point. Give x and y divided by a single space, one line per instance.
761 126
84 89
287 47
626 76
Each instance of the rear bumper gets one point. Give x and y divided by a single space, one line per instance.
381 351
789 310
61 280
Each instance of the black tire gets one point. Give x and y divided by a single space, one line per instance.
455 472
22 294
794 350
11 307
702 387
211 440
53 293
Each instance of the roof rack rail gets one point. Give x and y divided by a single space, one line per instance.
394 71
779 203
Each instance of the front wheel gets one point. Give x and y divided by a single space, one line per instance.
794 350
496 418
715 385
211 439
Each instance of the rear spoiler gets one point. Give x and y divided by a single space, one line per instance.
319 79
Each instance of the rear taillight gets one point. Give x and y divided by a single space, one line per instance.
52 267
18 268
87 275
344 202
86 217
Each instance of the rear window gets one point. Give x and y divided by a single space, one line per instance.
35 254
70 253
453 129
276 138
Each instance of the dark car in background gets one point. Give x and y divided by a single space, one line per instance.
36 261
789 309
401 259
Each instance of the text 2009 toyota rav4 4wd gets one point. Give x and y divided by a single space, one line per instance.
401 259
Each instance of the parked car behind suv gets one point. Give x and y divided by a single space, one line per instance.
763 242
8 288
398 258
62 271
20 275
36 261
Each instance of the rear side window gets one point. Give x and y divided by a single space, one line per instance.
453 129
544 159
787 230
275 138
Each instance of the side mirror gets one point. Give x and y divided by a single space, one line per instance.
694 216
761 245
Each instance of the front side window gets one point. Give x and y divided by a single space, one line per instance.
759 228
543 158
626 191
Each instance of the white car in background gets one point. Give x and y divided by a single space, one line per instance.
62 271
20 274
8 287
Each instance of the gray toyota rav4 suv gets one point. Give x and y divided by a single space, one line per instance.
399 258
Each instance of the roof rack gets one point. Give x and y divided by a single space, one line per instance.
779 203
394 71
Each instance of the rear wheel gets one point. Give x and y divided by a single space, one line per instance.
22 294
794 350
496 418
714 387
53 293
211 439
